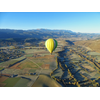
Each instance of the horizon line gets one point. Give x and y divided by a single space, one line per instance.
51 29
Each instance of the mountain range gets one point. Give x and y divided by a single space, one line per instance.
45 33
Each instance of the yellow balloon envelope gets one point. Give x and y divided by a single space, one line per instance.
50 44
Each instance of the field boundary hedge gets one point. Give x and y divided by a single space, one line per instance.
16 63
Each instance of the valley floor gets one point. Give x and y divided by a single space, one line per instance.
68 66
77 66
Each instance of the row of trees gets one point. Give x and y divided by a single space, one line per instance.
92 61
90 82
55 68
72 78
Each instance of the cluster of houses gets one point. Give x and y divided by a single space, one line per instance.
36 55
6 54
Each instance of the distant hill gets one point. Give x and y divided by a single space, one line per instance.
92 44
45 81
45 33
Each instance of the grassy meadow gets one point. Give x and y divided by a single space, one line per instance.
10 82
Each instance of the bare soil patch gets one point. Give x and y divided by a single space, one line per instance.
45 66
3 78
15 66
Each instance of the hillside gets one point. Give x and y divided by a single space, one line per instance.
46 33
45 81
92 44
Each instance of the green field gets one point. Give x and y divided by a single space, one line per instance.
32 70
10 82
22 83
28 64
1 68
29 55
12 71
40 63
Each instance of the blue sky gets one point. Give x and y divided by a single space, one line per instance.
88 22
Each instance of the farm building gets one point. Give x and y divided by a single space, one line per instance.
36 55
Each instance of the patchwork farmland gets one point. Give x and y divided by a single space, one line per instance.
69 66
34 61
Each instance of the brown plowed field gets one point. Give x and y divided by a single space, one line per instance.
3 78
45 66
15 66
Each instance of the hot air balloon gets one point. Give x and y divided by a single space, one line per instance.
51 45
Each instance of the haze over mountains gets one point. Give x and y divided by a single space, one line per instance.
45 33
